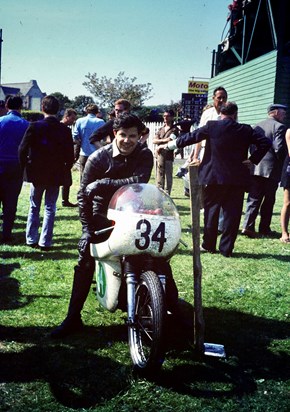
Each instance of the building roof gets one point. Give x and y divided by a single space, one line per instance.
10 90
22 88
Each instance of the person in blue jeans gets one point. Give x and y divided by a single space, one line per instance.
45 152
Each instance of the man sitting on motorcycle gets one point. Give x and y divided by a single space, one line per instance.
122 162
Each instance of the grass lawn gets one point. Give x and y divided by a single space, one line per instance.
246 308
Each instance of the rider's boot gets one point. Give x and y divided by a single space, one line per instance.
171 293
171 288
181 312
80 290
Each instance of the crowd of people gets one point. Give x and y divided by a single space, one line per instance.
232 159
43 153
256 170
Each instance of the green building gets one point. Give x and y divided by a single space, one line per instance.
253 61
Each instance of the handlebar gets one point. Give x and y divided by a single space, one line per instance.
101 231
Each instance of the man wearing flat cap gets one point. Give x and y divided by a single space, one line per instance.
267 174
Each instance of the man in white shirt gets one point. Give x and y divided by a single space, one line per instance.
219 97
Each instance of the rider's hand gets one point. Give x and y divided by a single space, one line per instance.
248 164
92 190
84 242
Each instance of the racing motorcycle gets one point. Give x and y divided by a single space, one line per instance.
130 266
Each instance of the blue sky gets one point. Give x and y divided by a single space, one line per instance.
164 42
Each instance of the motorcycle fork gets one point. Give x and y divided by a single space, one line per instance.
132 277
131 280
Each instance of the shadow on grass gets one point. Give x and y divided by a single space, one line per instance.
10 287
79 376
247 340
183 210
258 256
11 296
187 251
57 252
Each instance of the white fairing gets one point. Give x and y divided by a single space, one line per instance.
146 222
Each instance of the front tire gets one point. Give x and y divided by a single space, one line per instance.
146 334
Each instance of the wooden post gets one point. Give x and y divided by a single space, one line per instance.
195 201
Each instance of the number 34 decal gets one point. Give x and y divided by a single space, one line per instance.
146 238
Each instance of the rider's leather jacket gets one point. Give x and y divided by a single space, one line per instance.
110 170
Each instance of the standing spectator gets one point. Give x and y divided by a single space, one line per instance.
235 16
285 183
224 172
184 125
45 152
267 174
69 118
12 129
211 112
164 161
105 132
84 127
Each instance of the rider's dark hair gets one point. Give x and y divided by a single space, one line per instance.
127 120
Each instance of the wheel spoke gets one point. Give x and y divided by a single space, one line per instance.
144 328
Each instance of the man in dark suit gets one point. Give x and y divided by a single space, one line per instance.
267 174
45 152
224 171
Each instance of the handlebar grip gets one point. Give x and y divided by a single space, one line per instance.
101 231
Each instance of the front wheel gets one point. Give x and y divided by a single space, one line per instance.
147 332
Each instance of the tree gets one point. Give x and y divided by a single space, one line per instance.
64 101
107 91
150 113
80 102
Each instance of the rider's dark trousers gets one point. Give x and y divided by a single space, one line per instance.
84 271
